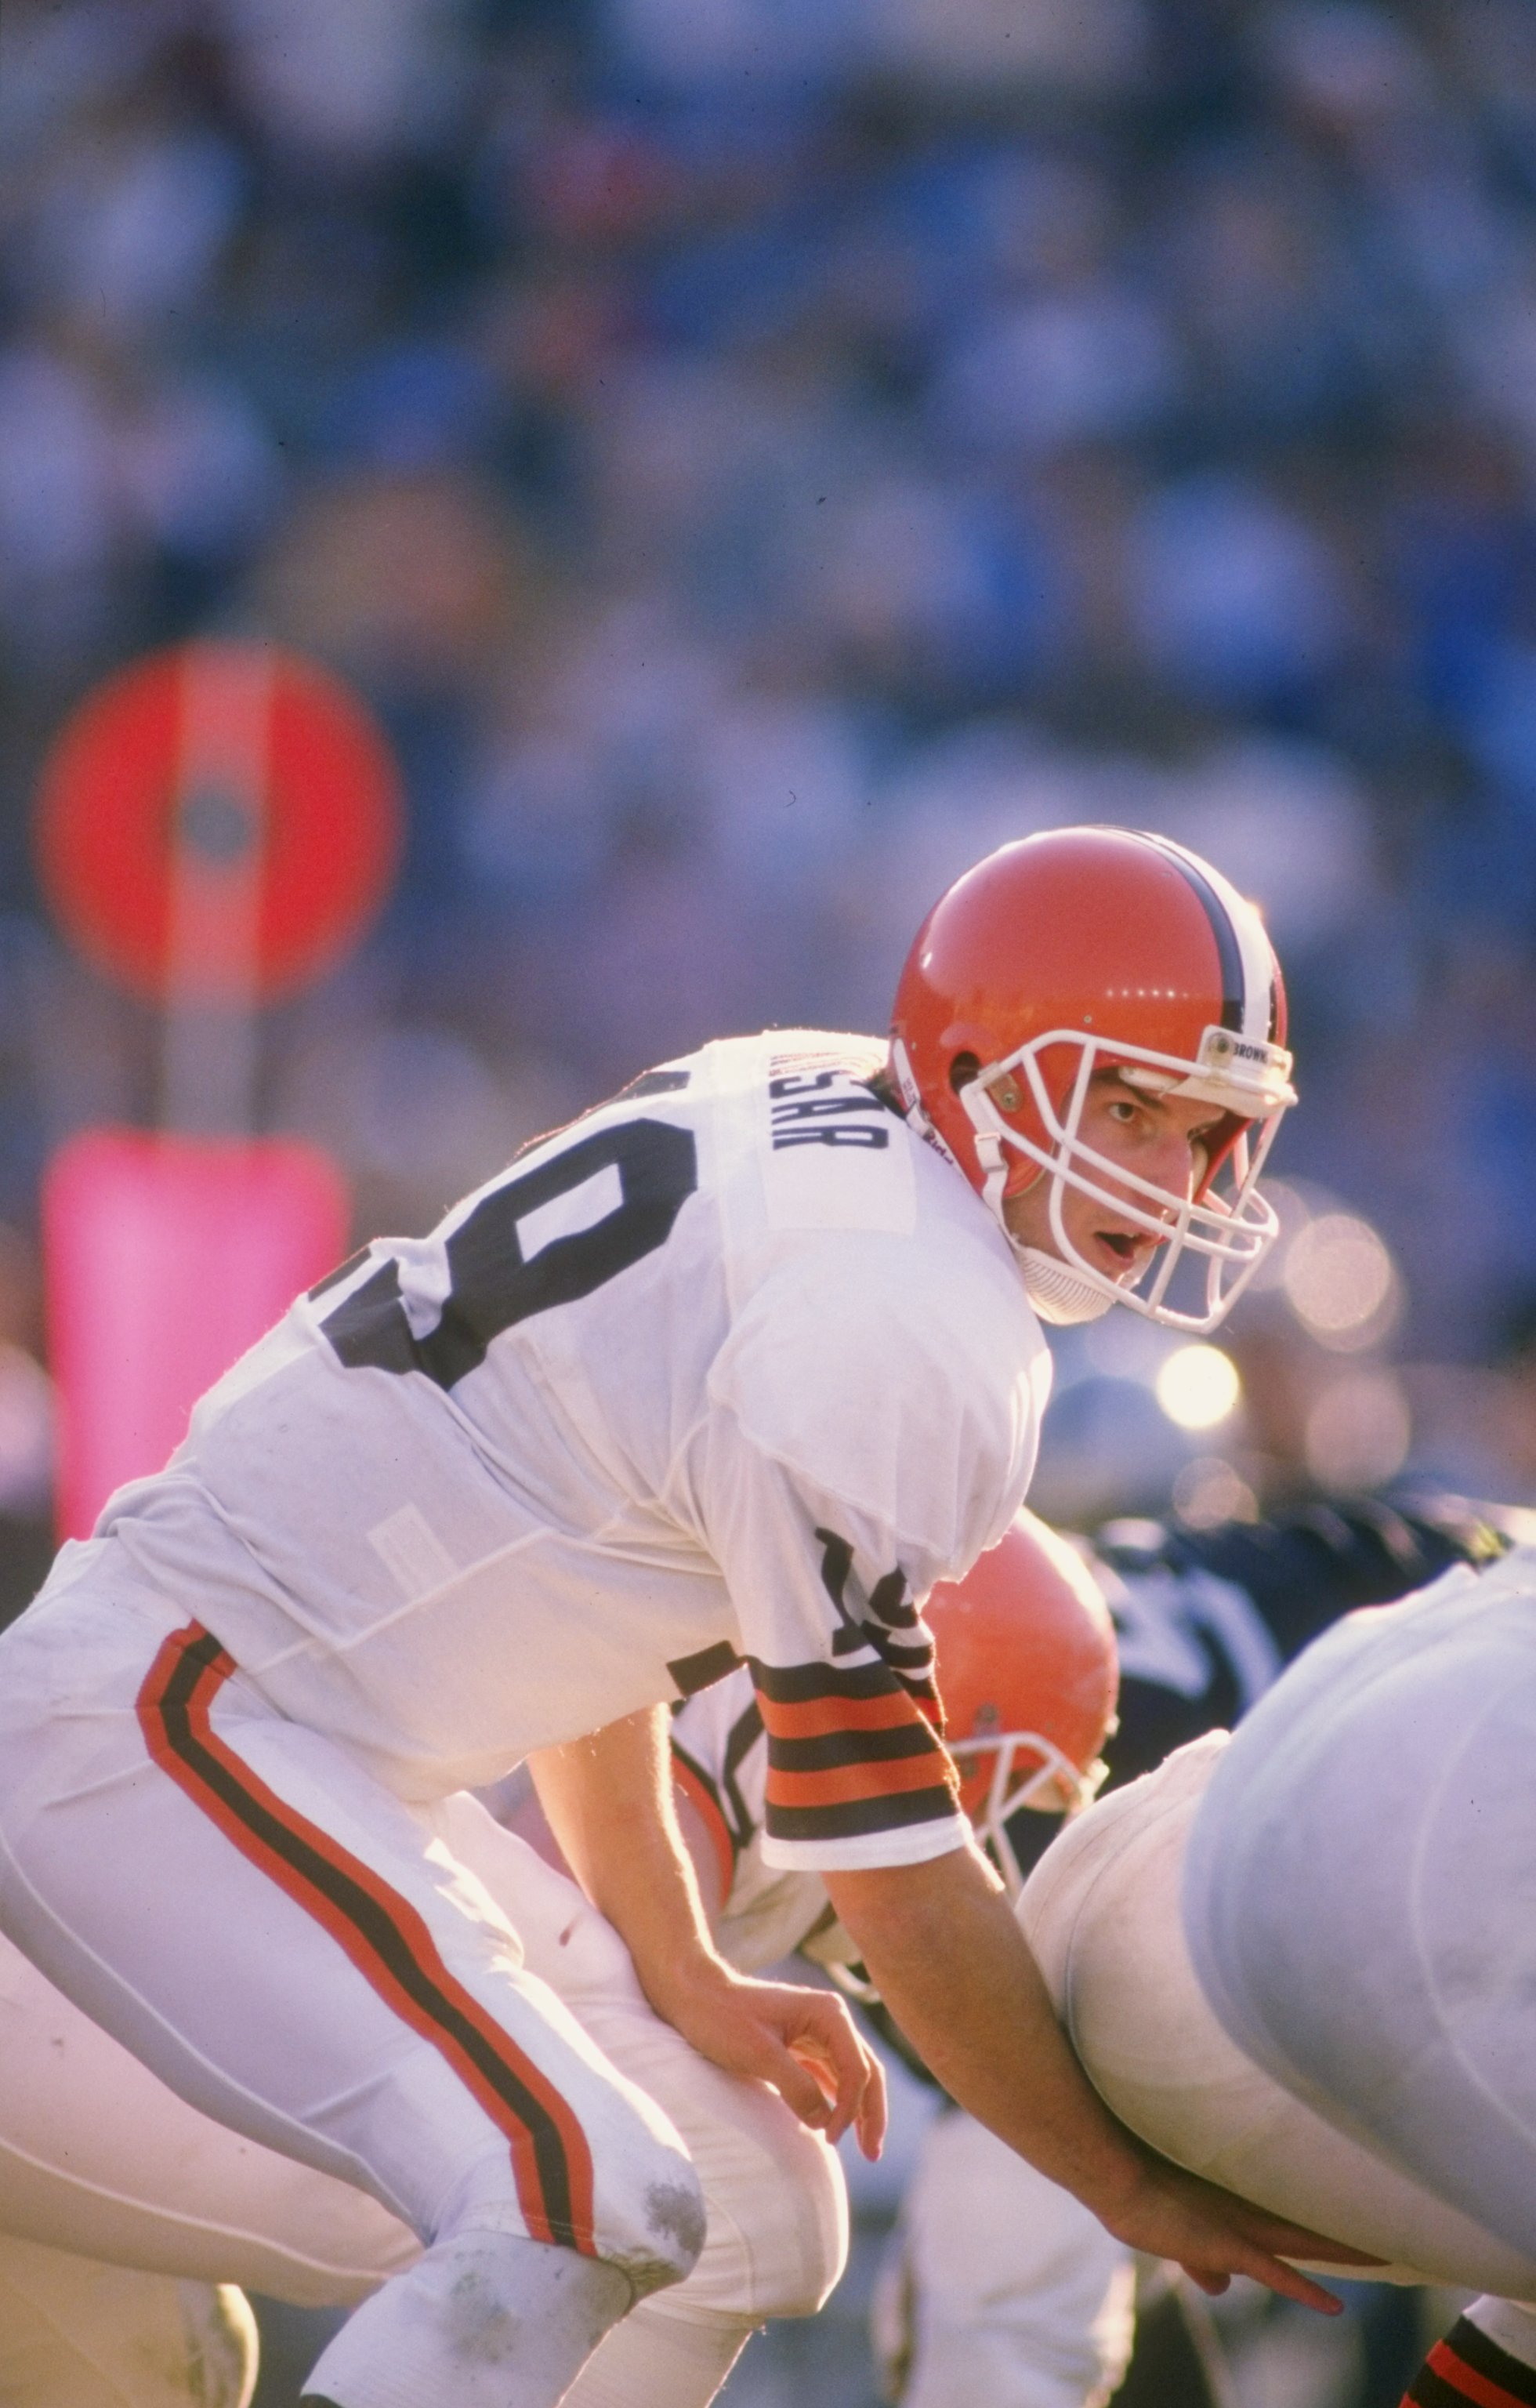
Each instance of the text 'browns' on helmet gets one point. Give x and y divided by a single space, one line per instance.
1028 1678
1076 951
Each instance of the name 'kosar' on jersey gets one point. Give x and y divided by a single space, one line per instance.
732 1368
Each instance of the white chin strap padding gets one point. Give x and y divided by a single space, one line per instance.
1059 1294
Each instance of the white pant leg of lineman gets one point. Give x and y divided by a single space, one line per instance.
1361 1891
78 2335
272 1934
776 2207
1101 1914
1000 2285
100 2160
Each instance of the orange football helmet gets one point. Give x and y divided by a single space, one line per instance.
1070 952
1028 1676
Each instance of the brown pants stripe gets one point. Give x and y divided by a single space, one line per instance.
383 1935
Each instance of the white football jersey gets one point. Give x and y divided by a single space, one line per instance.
733 1367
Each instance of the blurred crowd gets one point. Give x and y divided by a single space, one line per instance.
755 455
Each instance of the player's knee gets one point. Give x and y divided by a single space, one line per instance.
778 2228
100 2336
666 2228
635 2203
650 2217
809 2228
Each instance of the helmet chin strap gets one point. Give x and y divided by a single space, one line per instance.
1059 1294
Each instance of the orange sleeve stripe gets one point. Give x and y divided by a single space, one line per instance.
845 1782
821 1717
1479 2388
708 1811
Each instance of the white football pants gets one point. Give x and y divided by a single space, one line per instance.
327 1972
999 2287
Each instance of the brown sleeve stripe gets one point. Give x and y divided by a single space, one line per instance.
840 1783
692 1673
380 1931
793 1684
912 1737
859 1816
1466 2370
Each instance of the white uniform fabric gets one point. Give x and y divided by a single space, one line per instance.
735 1364
365 2007
1360 1891
1102 1913
99 2159
1000 2286
97 2154
1508 2323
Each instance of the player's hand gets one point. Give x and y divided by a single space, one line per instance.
1214 2235
802 2042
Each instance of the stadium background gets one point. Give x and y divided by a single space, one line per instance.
755 455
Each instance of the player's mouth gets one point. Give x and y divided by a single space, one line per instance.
1124 1252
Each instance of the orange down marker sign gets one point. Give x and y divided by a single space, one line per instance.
216 826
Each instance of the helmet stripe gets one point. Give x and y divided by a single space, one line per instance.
1249 996
1229 949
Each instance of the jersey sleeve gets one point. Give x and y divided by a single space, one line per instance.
841 1472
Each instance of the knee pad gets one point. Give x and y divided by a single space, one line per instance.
799 2236
778 2228
651 2230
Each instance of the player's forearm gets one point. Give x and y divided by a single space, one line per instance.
947 1957
609 1801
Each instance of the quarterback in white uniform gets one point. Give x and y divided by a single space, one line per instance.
735 1369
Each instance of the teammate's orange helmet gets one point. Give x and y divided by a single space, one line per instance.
1072 952
1028 1676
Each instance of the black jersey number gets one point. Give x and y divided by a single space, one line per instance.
492 1285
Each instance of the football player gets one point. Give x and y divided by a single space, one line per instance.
103 2170
736 1368
1299 1959
1359 1915
998 2286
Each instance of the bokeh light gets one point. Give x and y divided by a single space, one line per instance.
1210 1490
1197 1386
1358 1432
1342 1282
